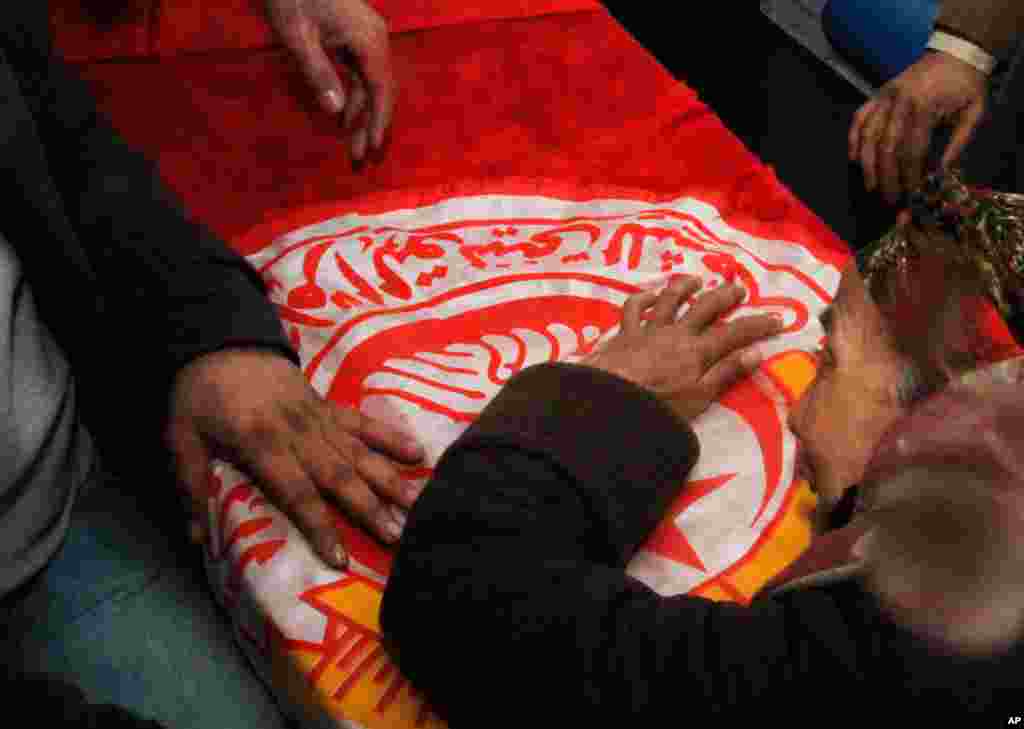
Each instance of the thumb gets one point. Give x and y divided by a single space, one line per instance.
731 370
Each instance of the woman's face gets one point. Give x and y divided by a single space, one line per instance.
852 400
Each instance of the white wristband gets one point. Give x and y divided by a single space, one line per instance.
963 50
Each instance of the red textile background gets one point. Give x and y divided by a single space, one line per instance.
567 95
90 30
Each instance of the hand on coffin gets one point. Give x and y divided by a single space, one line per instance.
314 30
253 408
687 363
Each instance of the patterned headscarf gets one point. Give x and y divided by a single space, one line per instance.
983 230
951 280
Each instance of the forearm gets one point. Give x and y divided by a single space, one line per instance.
186 291
510 573
500 584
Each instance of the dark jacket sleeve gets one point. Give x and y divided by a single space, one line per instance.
508 599
54 703
508 604
185 292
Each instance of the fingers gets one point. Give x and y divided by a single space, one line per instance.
305 44
964 131
857 128
869 141
360 140
917 139
739 334
357 100
364 484
386 481
375 65
357 103
351 435
377 434
633 310
710 306
729 371
678 292
891 149
292 490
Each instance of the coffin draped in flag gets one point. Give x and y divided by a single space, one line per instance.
541 168
418 316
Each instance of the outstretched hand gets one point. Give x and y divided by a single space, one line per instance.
313 30
891 134
255 409
687 363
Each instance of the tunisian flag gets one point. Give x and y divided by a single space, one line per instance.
541 168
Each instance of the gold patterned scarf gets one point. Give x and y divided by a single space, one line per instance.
952 278
983 230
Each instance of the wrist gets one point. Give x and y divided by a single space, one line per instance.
228 356
963 50
598 362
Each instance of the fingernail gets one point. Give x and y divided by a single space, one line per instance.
339 557
332 100
399 515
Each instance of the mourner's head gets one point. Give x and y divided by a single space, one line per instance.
924 305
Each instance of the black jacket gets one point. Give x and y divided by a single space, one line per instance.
131 289
508 604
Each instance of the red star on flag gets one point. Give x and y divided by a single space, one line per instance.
668 540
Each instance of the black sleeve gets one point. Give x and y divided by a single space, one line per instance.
183 289
52 702
508 604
